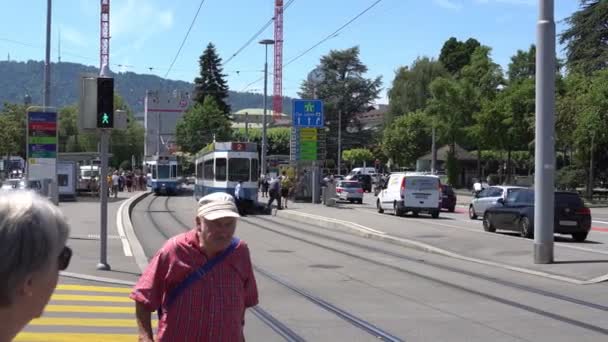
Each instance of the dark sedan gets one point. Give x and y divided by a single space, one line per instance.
516 213
448 198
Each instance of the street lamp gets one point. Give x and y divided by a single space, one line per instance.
265 42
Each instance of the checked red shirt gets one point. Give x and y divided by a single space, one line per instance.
211 309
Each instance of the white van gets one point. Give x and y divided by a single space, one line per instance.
364 171
411 192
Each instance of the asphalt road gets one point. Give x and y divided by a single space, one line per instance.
376 288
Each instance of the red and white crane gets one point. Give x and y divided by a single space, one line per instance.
277 99
104 38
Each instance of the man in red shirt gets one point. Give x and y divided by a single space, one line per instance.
212 308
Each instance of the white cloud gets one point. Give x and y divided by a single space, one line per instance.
448 4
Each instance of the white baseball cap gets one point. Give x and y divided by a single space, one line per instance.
216 196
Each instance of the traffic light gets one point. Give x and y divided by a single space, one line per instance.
105 102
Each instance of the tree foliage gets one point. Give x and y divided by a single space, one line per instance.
357 156
200 124
523 65
13 130
456 54
407 138
211 82
278 138
586 38
344 89
410 91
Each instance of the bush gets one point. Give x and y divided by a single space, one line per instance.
569 178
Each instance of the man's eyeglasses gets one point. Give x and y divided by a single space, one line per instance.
64 258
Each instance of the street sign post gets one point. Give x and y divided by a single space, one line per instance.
42 137
308 113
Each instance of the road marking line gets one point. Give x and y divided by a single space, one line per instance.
96 278
90 298
107 289
126 248
87 322
603 222
90 309
73 337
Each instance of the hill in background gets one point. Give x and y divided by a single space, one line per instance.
20 78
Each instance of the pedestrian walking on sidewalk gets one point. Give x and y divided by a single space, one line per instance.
238 197
286 185
274 192
33 235
200 281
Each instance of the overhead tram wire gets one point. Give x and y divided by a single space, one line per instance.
332 35
185 38
256 35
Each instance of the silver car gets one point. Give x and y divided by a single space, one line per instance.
488 197
350 191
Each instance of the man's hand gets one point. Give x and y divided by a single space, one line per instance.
144 323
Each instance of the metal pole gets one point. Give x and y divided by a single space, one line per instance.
103 196
47 60
247 126
433 153
264 116
339 141
545 129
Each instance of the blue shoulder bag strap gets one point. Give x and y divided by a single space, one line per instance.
198 274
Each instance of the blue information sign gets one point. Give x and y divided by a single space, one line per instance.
308 113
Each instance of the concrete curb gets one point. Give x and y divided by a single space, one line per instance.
96 279
123 220
367 232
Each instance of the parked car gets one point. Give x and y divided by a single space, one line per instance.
22 184
488 198
516 213
448 198
364 179
350 191
411 192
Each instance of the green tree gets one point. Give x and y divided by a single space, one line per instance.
357 156
523 65
9 135
586 38
16 134
410 91
211 82
456 54
344 90
407 138
201 124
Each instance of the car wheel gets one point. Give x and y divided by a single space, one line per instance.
472 214
452 209
380 210
526 228
435 214
580 237
360 201
415 213
487 223
398 212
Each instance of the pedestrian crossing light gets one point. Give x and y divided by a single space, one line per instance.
105 102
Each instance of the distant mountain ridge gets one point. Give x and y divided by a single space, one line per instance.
20 78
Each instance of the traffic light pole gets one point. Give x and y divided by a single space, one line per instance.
103 196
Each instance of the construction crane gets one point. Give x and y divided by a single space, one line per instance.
277 99
104 37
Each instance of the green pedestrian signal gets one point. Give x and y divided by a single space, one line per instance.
105 102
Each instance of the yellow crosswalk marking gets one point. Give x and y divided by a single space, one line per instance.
90 309
107 289
86 322
72 337
91 298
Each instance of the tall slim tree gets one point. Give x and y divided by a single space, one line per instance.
586 38
211 82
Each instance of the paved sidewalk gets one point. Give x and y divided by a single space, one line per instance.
577 262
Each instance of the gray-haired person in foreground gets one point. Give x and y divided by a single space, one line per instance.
33 235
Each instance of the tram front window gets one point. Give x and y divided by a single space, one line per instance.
238 169
164 171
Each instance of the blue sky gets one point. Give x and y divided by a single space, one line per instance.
147 33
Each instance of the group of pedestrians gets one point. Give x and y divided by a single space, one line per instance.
200 282
277 189
130 181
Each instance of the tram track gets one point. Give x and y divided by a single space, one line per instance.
509 284
350 318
